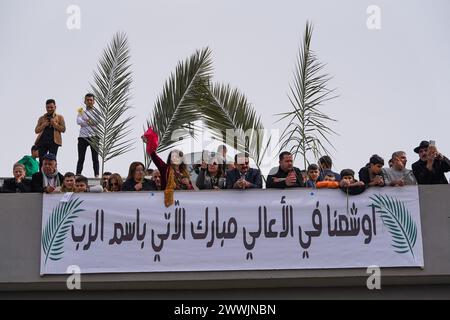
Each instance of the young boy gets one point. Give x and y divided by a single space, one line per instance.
329 182
371 174
348 183
81 185
313 175
68 182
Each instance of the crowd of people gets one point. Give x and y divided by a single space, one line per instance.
214 172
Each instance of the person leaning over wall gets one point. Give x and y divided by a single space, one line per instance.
372 174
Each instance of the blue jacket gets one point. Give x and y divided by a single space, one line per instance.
253 176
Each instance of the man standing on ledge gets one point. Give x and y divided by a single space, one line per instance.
49 129
431 166
84 120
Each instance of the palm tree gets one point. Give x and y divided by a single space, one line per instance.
189 98
307 130
228 109
177 107
111 88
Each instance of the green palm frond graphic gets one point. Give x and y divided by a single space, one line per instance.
399 222
57 228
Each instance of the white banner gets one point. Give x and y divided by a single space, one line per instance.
231 230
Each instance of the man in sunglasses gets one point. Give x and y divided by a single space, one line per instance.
243 177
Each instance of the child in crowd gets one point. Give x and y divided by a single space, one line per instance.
68 183
349 184
82 185
372 173
329 182
313 175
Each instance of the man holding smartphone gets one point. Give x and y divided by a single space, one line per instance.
49 129
431 166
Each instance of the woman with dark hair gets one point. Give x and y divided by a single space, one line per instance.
115 183
174 173
136 181
211 175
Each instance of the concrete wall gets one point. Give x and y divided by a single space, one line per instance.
20 228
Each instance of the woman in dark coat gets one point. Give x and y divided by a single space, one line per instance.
136 181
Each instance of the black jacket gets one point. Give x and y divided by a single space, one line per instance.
10 186
424 176
147 185
353 191
37 182
364 176
282 184
205 181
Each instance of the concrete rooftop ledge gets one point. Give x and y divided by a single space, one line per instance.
20 229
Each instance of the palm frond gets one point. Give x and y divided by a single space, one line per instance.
227 113
112 83
399 222
57 228
308 131
177 107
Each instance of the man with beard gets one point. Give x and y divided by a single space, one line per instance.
431 166
286 175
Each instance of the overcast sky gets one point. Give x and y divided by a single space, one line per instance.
393 82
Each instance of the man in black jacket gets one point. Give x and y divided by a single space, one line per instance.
431 166
287 176
48 179
19 183
243 177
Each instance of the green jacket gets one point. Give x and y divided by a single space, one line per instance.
31 165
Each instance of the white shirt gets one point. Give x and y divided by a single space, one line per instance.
86 130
